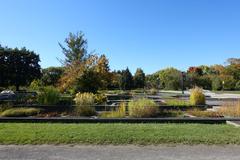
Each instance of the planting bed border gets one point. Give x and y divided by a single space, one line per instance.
114 120
110 107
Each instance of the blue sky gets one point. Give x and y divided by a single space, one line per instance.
151 34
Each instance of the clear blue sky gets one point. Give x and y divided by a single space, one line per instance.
151 34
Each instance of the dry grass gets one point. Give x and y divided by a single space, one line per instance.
200 113
231 109
197 97
119 113
142 108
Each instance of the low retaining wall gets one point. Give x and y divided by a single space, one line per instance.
112 120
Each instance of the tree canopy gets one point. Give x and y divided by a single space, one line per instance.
18 67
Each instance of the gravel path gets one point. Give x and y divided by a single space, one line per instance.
179 152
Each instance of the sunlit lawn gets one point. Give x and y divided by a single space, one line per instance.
144 134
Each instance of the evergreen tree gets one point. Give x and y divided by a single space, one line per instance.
139 78
76 49
126 81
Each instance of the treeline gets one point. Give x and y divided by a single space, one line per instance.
84 71
215 77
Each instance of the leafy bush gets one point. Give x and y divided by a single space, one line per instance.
216 84
197 97
100 98
36 85
228 82
119 113
49 96
20 112
66 100
237 87
231 109
85 104
142 108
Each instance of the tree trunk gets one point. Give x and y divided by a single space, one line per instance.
17 87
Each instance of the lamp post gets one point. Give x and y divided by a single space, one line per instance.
223 82
182 81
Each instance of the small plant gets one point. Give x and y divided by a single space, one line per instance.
231 109
153 91
197 97
20 112
171 113
142 108
66 100
5 106
100 98
49 96
85 104
119 113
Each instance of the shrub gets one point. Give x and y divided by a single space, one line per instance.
119 113
66 100
49 96
237 87
228 82
36 85
142 108
216 84
197 97
20 112
100 98
84 104
153 91
231 109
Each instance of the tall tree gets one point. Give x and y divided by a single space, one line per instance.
126 81
139 78
83 71
103 70
18 67
76 48
170 78
233 61
51 75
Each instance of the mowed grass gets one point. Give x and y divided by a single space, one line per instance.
142 134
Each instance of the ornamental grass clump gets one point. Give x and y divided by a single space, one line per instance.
84 104
119 113
197 97
20 112
142 108
230 109
49 96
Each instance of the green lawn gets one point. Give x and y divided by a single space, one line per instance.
46 133
230 92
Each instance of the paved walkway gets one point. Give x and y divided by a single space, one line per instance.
180 152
